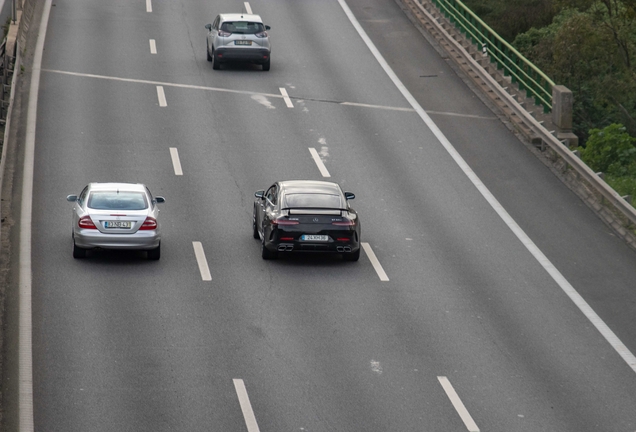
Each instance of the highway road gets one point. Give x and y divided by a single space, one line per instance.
447 323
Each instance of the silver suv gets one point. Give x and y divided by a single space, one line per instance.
238 37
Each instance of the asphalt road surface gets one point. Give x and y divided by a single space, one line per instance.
467 331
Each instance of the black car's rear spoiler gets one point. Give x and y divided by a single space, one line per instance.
314 210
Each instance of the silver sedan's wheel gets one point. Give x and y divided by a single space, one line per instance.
155 254
78 252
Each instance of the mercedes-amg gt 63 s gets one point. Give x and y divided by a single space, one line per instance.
306 216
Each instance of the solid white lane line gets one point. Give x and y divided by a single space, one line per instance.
374 261
458 404
153 46
321 166
25 344
148 5
176 163
286 98
201 261
563 283
161 96
246 406
248 9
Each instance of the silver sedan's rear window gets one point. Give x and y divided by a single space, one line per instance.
312 200
242 27
106 200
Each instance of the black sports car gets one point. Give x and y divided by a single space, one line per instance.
306 216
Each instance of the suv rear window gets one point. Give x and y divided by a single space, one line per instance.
242 27
117 200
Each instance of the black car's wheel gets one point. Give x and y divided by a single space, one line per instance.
78 252
352 256
216 65
254 228
266 253
155 254
207 51
266 65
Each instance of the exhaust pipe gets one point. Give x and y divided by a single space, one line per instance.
340 249
285 248
347 249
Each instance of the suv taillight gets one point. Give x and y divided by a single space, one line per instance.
224 33
86 222
262 34
149 224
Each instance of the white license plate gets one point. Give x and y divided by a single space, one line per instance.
117 224
313 237
242 42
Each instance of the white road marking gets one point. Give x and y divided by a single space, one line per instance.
148 5
176 163
458 404
248 9
286 98
202 261
25 345
374 261
246 407
161 96
321 166
556 275
153 46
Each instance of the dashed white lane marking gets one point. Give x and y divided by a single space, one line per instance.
148 5
153 46
458 404
286 98
543 260
248 8
176 163
246 407
201 261
321 166
161 96
374 262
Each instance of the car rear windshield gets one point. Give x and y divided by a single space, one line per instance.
242 27
103 200
312 200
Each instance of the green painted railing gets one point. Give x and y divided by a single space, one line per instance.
529 78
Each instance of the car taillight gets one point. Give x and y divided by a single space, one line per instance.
287 239
224 33
343 239
86 222
149 224
283 221
262 34
344 222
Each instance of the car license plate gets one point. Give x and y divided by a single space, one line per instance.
117 224
242 42
313 237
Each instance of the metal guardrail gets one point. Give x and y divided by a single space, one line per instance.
521 71
604 191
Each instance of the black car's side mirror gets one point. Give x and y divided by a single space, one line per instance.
268 28
209 27
160 199
71 198
350 195
259 194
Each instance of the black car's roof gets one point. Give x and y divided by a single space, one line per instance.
310 187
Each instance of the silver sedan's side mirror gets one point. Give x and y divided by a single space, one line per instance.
160 199
259 194
71 198
349 195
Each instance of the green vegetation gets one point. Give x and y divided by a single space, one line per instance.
588 46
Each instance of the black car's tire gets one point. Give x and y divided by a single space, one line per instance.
216 65
352 256
78 252
254 228
155 254
267 254
207 51
266 65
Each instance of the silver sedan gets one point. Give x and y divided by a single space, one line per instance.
116 216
